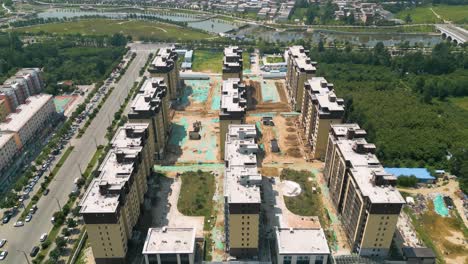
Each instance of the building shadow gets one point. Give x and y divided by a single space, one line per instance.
183 102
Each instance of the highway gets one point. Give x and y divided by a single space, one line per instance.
24 238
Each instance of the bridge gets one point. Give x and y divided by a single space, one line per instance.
453 33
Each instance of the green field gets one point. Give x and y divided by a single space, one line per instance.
207 61
395 29
299 13
196 193
246 60
139 30
274 59
457 14
461 102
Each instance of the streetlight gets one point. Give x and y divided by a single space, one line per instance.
25 255
58 203
79 167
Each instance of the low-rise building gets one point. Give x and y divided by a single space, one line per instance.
232 63
361 190
170 245
300 69
320 109
242 192
111 205
165 65
233 107
301 246
151 106
29 118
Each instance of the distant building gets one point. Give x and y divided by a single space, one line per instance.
29 118
111 205
232 63
233 107
300 69
151 106
320 108
242 192
362 192
301 246
165 65
170 245
26 82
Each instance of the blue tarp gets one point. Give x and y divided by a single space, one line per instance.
420 173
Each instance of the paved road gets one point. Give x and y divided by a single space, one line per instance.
24 238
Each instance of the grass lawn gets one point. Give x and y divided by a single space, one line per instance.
139 30
196 195
433 229
207 61
299 13
423 14
461 102
307 203
246 60
274 59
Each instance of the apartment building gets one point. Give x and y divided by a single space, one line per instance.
363 193
301 246
111 205
300 69
232 63
151 106
5 107
242 192
170 245
320 109
165 65
26 82
8 150
29 118
233 107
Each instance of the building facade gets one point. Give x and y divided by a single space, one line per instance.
170 245
8 150
5 107
320 109
300 69
165 66
301 246
151 106
363 193
232 63
29 118
26 82
242 192
111 205
233 107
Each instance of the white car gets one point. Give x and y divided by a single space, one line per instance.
19 223
2 242
3 255
43 237
28 218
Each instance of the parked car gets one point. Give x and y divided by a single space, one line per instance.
2 242
34 251
6 219
46 191
33 209
28 218
19 223
3 255
43 237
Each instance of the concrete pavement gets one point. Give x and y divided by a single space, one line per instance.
24 238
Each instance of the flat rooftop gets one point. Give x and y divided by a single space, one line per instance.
233 96
232 57
165 57
241 172
150 95
16 120
304 241
323 93
300 59
169 240
363 166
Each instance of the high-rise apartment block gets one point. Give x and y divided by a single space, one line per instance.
165 65
241 191
320 109
111 205
363 193
8 150
26 82
170 245
300 69
5 107
29 118
151 106
233 107
232 63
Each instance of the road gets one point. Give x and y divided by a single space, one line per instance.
24 238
